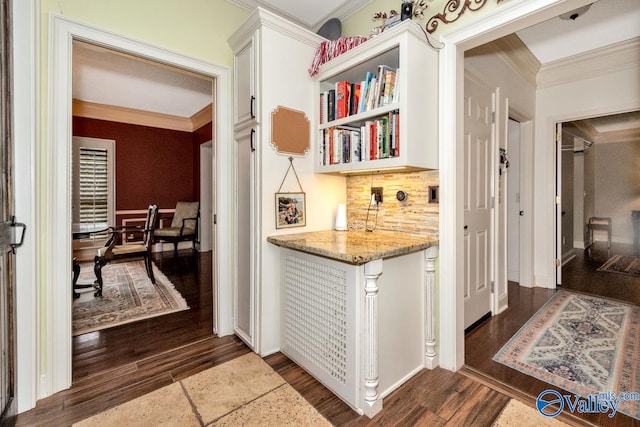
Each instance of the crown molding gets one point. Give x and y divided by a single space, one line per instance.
342 12
202 117
514 53
92 110
594 63
263 17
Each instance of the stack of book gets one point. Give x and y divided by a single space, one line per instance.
375 139
347 99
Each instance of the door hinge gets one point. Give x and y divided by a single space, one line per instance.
558 261
215 219
493 286
558 200
493 202
493 117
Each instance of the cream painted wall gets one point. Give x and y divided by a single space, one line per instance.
617 187
609 92
360 24
167 23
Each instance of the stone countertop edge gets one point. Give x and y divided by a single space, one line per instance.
355 247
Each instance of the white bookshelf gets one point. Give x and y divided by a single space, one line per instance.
405 48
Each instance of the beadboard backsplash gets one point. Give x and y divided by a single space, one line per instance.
413 215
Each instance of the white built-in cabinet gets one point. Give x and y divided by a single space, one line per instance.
271 58
404 48
245 82
245 248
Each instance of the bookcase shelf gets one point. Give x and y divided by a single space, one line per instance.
405 49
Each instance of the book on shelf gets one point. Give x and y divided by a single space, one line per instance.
381 81
331 105
354 98
323 108
364 91
389 87
396 92
343 88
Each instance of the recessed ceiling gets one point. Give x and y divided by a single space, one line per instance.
106 77
605 23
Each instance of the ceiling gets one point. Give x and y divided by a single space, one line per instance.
111 78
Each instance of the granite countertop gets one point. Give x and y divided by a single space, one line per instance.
355 247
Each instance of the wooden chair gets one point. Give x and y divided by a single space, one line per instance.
184 225
112 251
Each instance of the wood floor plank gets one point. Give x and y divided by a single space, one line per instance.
120 364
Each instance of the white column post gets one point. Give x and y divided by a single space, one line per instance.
372 403
431 356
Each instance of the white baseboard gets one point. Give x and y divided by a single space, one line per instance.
578 244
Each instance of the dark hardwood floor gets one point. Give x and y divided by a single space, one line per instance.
117 365
191 274
579 275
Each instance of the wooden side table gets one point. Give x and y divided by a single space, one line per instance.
600 223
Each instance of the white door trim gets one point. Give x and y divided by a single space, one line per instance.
504 20
56 336
26 36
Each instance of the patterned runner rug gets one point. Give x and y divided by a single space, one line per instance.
622 264
583 344
128 296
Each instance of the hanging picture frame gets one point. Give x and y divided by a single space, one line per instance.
291 210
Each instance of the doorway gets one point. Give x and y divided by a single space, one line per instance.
597 166
58 336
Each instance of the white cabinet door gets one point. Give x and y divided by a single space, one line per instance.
244 292
245 77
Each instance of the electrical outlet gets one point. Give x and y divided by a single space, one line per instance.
377 194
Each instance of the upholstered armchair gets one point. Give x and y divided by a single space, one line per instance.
184 225
112 251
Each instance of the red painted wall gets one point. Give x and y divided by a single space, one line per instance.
200 136
152 165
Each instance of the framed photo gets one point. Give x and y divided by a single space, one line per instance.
290 210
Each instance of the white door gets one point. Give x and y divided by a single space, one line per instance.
479 163
559 203
206 197
514 212
244 292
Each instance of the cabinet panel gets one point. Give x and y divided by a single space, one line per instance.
244 291
244 70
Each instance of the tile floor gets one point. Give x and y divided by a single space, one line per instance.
243 391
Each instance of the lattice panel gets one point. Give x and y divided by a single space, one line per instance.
316 314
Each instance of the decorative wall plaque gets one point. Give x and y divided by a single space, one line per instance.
290 131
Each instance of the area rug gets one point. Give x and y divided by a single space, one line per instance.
127 296
583 344
245 391
622 264
517 414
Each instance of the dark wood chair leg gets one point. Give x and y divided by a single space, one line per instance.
76 273
175 248
97 269
149 265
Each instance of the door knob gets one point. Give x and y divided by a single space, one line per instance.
466 227
521 213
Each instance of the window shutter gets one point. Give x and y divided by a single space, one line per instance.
94 182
